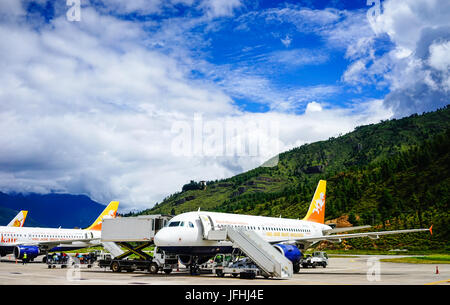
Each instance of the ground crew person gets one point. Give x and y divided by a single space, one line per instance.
24 260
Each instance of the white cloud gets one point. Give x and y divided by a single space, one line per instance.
11 9
440 56
414 68
286 41
219 8
298 57
421 28
313 107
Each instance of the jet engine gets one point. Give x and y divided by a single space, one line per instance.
31 251
291 252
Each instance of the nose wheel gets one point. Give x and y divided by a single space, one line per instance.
194 267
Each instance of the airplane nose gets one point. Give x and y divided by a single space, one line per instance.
161 238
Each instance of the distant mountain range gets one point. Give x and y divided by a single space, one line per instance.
50 210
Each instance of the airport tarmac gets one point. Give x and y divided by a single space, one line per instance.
354 270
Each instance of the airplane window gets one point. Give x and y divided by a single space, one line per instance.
182 224
174 224
191 225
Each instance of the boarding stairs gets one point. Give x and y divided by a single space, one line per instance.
263 254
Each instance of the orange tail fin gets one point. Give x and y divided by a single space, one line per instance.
109 212
316 212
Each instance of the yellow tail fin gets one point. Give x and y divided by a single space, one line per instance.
109 212
19 220
316 212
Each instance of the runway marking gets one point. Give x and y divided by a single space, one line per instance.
438 282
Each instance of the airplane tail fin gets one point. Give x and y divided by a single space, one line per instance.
19 220
316 212
109 212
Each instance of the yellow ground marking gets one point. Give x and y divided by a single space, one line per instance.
438 282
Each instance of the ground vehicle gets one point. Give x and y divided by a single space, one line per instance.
318 258
159 261
235 265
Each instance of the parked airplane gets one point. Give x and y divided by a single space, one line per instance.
19 220
36 241
186 234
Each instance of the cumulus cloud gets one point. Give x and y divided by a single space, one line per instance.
313 107
415 67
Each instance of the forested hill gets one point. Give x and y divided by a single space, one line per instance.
392 174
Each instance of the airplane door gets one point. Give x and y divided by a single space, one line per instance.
207 224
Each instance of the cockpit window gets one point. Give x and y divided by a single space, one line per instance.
174 224
191 225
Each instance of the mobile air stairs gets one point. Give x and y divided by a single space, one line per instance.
264 259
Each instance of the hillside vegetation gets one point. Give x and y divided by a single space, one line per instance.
391 175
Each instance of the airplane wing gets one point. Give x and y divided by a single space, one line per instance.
346 229
339 237
373 235
57 242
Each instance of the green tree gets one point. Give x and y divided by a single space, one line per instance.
385 206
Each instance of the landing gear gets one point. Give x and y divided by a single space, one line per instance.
194 269
194 264
296 267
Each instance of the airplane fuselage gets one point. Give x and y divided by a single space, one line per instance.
14 236
186 233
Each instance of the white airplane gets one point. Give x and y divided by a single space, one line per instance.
186 233
37 241
19 220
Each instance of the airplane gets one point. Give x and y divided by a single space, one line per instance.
35 241
19 220
185 234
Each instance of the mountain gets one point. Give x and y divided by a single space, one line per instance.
394 174
50 210
7 214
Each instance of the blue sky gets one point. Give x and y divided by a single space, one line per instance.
98 106
257 40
